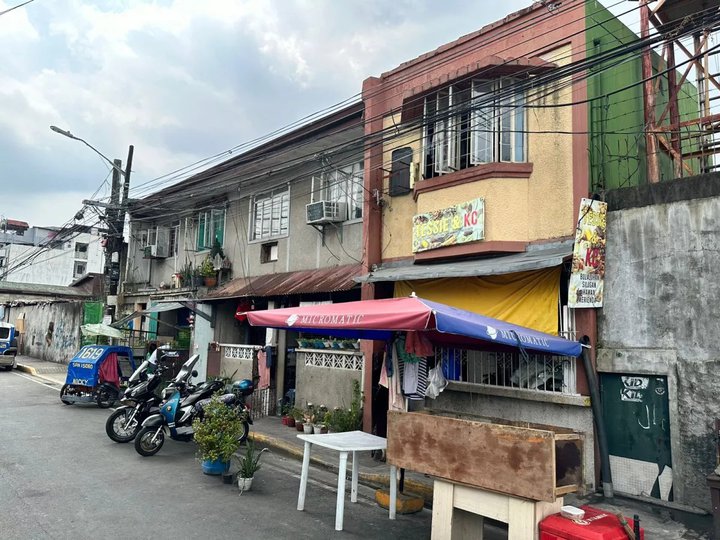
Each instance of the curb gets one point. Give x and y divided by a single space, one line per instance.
27 369
368 479
32 371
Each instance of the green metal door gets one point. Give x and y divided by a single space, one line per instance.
637 419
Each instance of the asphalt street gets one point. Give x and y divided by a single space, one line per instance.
61 477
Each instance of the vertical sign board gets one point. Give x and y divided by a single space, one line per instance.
458 224
588 263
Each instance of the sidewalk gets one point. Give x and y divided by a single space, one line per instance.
658 522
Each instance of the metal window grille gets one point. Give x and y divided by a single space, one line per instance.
537 372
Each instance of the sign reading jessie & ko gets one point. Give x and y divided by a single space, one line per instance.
458 224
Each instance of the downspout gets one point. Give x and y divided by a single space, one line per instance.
592 381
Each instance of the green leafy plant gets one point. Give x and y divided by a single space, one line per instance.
218 433
342 419
207 269
250 462
297 414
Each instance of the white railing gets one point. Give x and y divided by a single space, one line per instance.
238 352
537 372
335 359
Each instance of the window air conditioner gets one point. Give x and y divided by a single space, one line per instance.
325 212
160 249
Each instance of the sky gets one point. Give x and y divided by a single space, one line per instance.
183 80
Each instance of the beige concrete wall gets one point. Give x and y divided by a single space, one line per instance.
516 209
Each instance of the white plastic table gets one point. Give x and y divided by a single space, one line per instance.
351 441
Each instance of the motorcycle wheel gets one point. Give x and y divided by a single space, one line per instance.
246 431
63 393
143 441
104 398
116 425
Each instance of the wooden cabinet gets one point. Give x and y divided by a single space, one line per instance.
539 463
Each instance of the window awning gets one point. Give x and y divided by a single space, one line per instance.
338 278
535 258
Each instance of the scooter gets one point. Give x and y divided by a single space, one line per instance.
179 410
139 401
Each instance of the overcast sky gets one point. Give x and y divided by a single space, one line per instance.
182 80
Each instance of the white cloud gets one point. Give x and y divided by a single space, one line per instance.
184 79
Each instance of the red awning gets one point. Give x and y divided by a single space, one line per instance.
339 278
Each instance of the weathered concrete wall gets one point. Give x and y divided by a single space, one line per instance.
52 331
661 311
577 418
324 386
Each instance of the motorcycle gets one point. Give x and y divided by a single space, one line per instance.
139 401
179 409
95 374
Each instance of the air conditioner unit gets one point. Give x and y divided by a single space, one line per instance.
160 248
325 212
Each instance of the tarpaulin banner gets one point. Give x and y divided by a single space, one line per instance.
588 264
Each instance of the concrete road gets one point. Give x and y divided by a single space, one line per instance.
61 477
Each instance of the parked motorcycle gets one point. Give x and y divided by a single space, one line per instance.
179 410
139 401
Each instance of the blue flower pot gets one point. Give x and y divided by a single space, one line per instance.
215 467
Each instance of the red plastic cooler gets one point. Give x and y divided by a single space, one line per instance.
596 525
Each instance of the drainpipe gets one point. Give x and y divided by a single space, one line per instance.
598 419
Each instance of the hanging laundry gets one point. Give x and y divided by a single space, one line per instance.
418 344
395 397
401 352
269 356
263 370
414 377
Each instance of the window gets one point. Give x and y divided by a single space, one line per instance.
532 371
211 227
400 171
79 269
271 215
345 185
269 252
81 251
472 123
143 239
173 240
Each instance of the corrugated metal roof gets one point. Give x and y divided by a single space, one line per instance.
338 278
534 259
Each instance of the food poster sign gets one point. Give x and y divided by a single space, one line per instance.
458 224
588 263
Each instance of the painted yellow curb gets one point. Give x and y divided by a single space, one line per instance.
27 369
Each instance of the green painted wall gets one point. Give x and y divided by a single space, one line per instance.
617 142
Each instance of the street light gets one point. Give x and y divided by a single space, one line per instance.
114 212
69 135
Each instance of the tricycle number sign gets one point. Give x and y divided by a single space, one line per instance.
90 353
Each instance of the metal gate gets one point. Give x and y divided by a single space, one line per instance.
637 420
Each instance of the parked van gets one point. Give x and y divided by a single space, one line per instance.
8 346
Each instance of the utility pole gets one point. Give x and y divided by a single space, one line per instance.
115 218
115 213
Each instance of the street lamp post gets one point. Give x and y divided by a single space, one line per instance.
114 218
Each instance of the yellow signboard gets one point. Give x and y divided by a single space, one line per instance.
458 224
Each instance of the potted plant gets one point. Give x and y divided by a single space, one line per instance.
249 465
319 425
309 419
298 414
217 436
207 270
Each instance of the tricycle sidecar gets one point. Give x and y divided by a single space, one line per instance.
95 373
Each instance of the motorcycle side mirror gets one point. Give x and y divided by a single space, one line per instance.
194 373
